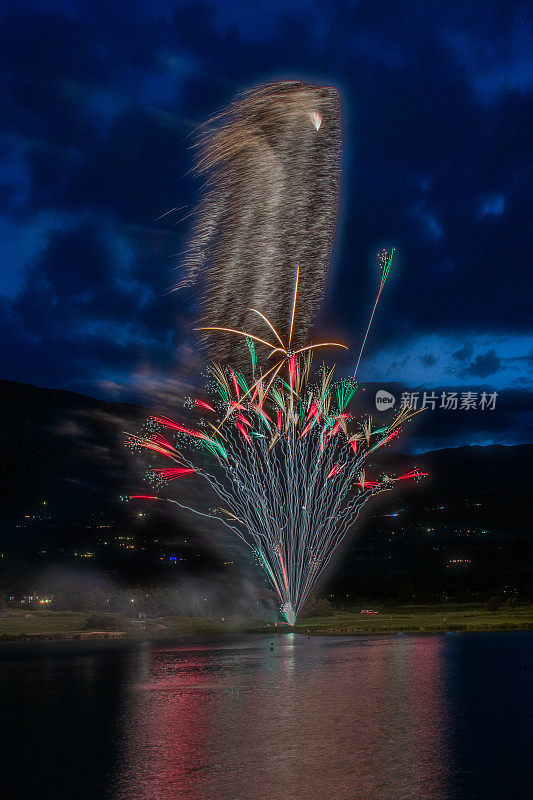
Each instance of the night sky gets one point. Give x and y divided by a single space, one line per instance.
100 103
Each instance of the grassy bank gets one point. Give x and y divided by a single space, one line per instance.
407 619
74 625
421 619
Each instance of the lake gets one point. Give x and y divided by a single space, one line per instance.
322 718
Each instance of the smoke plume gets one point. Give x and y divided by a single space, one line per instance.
272 166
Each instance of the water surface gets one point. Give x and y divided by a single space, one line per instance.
372 718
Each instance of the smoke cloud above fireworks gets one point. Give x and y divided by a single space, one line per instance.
272 166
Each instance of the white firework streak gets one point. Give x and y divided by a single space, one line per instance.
289 490
290 478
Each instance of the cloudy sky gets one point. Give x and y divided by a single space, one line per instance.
100 103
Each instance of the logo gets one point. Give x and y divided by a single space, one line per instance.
384 400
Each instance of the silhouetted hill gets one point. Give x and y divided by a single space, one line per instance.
63 447
494 477
68 449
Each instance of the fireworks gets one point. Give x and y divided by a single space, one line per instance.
385 261
284 457
271 163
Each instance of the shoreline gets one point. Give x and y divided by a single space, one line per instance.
47 625
63 645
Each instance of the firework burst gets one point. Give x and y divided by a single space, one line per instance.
285 458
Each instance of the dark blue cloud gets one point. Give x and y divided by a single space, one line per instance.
464 353
99 104
485 365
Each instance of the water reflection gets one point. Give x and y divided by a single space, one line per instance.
313 718
428 717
